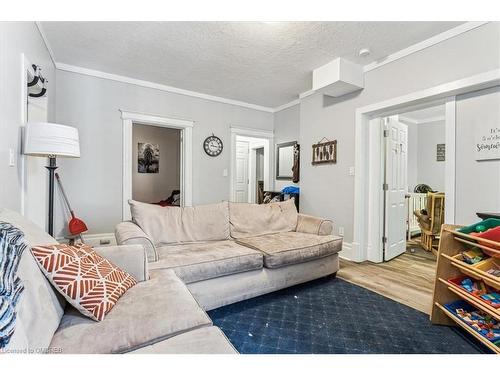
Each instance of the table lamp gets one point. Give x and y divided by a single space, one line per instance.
51 140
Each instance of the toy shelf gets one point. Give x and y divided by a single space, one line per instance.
449 266
475 301
443 310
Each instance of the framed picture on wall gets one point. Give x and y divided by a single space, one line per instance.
148 158
324 152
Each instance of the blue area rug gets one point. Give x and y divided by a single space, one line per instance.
334 316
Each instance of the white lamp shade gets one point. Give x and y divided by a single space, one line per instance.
45 138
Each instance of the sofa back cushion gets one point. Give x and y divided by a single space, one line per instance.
40 308
249 220
182 224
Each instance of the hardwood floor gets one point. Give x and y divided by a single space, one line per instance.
408 279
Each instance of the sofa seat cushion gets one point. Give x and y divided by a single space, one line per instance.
206 260
149 312
206 340
283 249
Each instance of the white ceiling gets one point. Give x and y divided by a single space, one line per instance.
264 63
428 114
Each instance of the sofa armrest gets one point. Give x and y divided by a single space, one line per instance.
314 225
128 233
130 258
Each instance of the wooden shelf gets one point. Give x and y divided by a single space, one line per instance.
474 272
472 300
473 332
453 243
473 241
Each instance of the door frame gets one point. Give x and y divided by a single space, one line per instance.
367 236
256 133
186 169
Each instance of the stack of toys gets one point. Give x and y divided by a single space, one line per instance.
481 322
494 270
492 298
473 256
476 287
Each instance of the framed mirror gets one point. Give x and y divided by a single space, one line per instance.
284 160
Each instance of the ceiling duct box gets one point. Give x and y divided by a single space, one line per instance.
338 77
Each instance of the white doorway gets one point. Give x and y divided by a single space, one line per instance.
251 163
186 154
241 182
156 164
250 168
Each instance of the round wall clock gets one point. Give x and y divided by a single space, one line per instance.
213 145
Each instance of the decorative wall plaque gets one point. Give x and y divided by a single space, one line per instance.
324 151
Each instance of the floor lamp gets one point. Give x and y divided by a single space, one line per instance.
51 140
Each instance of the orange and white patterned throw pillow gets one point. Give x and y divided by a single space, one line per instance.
89 282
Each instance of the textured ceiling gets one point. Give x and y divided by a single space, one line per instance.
265 63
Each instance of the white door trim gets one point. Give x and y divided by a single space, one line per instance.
186 127
449 165
366 233
257 133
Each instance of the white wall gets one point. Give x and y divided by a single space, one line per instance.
328 190
423 168
478 182
412 156
17 38
430 171
154 187
92 105
286 129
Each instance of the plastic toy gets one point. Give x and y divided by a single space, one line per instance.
492 298
473 256
476 287
481 322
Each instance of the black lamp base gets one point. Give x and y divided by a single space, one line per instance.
52 168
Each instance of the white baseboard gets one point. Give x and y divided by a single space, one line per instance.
346 251
97 239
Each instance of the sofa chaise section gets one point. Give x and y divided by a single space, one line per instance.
151 311
204 340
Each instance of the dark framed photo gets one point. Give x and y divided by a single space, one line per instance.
324 152
148 158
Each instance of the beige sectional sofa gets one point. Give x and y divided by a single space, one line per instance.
228 252
191 260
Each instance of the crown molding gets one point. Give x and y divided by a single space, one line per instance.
158 86
448 34
286 105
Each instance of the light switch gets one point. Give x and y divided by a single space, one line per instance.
351 171
224 172
12 158
341 231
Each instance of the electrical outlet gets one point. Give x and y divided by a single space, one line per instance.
341 231
12 158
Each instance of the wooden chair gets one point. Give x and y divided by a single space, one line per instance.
430 221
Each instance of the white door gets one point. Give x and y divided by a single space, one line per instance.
396 181
241 182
